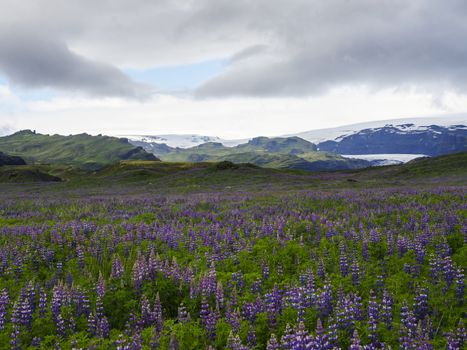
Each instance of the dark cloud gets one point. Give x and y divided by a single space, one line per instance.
276 47
33 61
378 44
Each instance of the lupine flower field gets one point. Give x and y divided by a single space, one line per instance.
336 269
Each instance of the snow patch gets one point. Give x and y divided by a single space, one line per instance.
388 158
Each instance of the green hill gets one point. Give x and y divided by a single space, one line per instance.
277 152
225 176
79 150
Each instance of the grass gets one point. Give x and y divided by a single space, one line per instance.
81 150
182 177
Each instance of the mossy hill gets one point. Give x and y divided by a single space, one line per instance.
81 150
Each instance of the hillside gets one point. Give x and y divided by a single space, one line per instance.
278 153
79 150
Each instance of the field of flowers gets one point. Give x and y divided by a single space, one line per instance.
348 269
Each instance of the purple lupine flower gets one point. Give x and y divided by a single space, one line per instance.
81 302
153 264
324 301
380 282
31 296
99 308
57 300
373 306
232 317
138 274
211 323
25 313
365 251
234 342
355 342
279 269
408 328
92 325
80 256
435 268
204 311
419 252
372 328
321 341
421 303
183 315
273 344
42 304
265 270
4 302
332 332
355 271
157 315
36 342
386 309
103 327
344 311
458 338
302 339
100 286
273 301
256 287
136 343
146 313
296 299
71 324
220 295
287 338
251 337
14 338
357 307
343 264
117 267
60 326
321 270
460 285
448 270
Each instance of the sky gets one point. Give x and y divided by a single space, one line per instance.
232 69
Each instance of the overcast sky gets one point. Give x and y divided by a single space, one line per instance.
227 68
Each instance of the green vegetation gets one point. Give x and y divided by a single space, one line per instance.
160 255
172 177
278 153
79 150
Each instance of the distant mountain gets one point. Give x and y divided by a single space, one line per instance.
177 141
432 140
80 150
277 152
416 136
320 135
6 159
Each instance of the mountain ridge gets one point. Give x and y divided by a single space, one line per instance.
328 139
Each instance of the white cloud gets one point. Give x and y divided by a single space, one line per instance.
229 118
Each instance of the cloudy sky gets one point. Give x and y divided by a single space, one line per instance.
227 68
